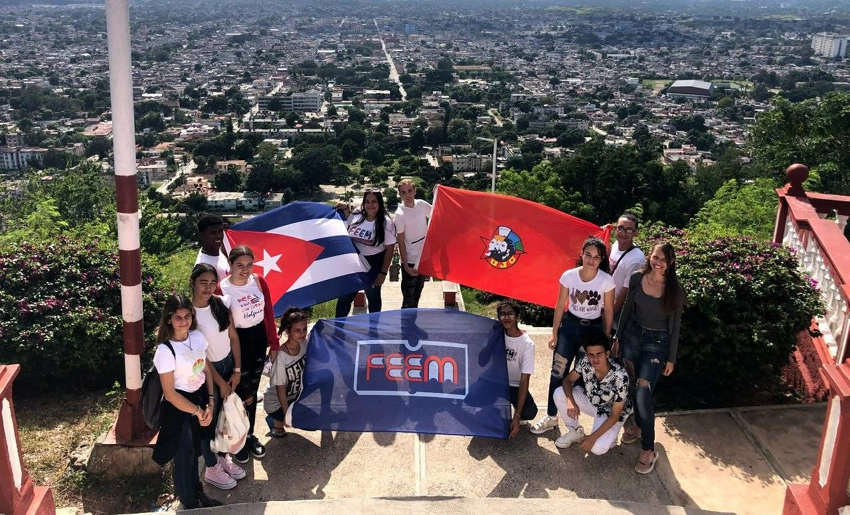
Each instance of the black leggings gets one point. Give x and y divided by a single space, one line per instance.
253 343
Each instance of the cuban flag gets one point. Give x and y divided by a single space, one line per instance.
304 253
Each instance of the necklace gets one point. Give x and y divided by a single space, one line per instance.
288 350
649 280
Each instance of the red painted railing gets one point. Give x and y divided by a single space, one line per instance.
813 225
17 494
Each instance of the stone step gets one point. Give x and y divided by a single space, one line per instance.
451 505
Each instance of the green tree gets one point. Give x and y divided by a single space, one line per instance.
228 180
811 132
738 210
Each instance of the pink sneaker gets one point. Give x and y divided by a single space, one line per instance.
217 477
233 470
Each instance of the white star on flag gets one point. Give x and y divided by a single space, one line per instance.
269 263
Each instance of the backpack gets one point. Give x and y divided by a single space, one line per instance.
151 399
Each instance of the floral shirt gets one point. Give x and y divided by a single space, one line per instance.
614 387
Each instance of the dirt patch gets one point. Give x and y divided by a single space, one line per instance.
54 429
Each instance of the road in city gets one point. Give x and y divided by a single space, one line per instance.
393 72
496 118
183 170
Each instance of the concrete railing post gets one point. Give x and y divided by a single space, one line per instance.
17 495
829 490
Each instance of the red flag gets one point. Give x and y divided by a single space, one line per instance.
501 244
279 259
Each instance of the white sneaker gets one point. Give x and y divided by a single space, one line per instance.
544 424
570 437
233 470
217 477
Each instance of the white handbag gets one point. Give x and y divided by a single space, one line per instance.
231 432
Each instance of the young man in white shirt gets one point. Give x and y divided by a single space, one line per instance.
625 259
211 234
411 224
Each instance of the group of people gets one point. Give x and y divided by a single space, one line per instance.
218 341
623 310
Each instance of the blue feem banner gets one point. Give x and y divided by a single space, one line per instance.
415 370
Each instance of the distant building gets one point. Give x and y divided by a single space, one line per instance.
693 89
306 101
20 158
829 45
231 201
467 163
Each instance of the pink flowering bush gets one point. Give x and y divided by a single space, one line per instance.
60 313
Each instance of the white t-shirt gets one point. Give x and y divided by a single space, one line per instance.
519 352
586 298
287 371
631 263
222 267
363 234
246 302
413 222
187 362
218 341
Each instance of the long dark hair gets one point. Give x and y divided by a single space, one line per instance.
603 253
380 218
673 295
174 302
217 308
291 316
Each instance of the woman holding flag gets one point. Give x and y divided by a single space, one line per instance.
589 288
373 234
253 315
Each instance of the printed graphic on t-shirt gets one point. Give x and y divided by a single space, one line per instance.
251 306
197 378
583 300
359 234
294 378
510 354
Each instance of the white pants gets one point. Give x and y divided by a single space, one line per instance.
608 439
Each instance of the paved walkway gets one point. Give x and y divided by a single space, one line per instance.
727 460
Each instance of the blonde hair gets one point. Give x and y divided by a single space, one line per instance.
407 181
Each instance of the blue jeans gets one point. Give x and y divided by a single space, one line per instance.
373 293
224 369
645 353
185 472
569 341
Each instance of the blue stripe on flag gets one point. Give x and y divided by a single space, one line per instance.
291 213
413 370
337 270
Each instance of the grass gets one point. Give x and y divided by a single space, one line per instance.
176 269
656 84
323 310
473 305
52 426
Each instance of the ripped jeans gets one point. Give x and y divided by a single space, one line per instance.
645 354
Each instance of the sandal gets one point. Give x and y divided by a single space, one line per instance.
275 432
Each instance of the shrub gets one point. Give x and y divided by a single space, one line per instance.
60 313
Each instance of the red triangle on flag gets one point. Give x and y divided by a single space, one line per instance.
278 259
